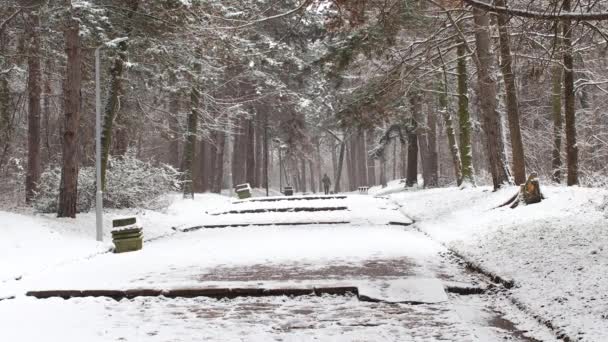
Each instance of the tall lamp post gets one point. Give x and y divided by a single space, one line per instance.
99 193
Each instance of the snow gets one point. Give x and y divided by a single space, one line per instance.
394 264
555 251
327 318
30 243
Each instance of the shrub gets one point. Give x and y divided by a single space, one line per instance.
130 183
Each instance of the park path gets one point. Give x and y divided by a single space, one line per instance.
402 277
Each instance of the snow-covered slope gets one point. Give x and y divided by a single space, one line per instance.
555 251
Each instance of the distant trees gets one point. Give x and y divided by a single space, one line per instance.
317 84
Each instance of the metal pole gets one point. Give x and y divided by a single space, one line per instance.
99 193
280 171
266 157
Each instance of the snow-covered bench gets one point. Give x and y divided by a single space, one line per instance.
363 189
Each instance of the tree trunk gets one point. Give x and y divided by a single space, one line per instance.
212 160
371 162
121 143
569 110
334 160
191 133
68 192
412 158
200 171
340 164
449 127
257 178
362 159
115 91
464 118
421 135
556 105
487 95
403 154
218 173
33 121
506 60
432 150
173 119
265 152
318 161
394 161
236 165
311 166
250 151
5 120
5 100
383 170
349 164
303 175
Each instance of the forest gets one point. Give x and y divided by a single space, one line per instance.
202 95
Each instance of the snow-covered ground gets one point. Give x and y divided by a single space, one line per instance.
30 243
387 262
556 251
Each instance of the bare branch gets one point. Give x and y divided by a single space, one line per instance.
536 14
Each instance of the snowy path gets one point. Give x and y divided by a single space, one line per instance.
388 263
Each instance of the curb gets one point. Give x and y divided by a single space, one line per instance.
217 293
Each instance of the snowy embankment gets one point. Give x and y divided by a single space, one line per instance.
30 243
556 252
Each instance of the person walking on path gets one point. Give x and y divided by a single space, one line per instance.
326 183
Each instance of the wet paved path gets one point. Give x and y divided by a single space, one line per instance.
387 263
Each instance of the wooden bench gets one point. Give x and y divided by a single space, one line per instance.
288 191
363 189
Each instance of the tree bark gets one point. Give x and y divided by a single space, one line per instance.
265 152
212 160
175 131
201 171
506 60
449 127
115 91
371 162
303 175
218 173
464 118
33 122
412 158
237 165
350 163
556 106
191 133
250 153
487 95
362 159
394 161
259 133
68 192
318 161
340 164
432 150
311 166
421 136
569 110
